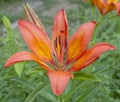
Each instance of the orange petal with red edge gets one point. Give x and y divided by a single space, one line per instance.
108 8
78 43
23 56
60 25
59 34
117 5
104 6
59 81
36 39
99 3
91 55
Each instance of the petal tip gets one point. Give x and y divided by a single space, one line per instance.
59 81
5 66
112 47
94 22
62 10
20 21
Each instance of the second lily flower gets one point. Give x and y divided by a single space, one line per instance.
106 6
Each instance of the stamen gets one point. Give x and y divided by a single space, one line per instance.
59 39
60 48
60 43
55 43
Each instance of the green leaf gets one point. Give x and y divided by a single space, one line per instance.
6 22
25 83
73 90
88 96
9 30
85 76
19 68
48 96
36 91
35 70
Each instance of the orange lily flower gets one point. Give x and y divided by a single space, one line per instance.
61 56
106 6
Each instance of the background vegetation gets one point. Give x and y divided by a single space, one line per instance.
99 82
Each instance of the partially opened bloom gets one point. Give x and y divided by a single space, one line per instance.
106 6
61 56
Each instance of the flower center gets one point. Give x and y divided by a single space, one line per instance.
60 50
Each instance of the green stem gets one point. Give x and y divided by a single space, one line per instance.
93 14
100 19
95 30
61 98
92 9
99 22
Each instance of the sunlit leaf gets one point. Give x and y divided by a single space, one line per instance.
6 22
36 91
89 95
85 76
19 68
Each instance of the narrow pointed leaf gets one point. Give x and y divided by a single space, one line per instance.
89 95
71 92
24 82
6 22
85 76
36 92
19 68
48 96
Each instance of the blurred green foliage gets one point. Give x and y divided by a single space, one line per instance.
8 0
28 82
49 3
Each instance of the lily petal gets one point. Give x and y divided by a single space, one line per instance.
36 39
78 43
99 3
59 34
105 6
117 5
59 81
108 8
23 56
91 55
